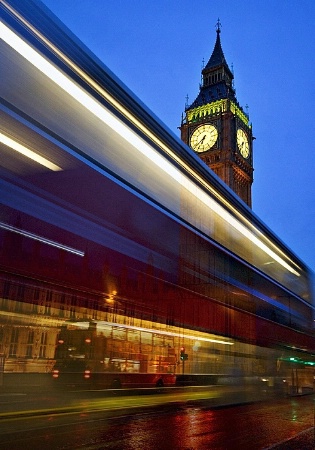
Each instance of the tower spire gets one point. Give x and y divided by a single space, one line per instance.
218 26
217 58
216 127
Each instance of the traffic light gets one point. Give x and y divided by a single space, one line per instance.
183 355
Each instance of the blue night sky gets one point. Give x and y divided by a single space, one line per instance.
156 48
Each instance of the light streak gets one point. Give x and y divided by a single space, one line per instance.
104 324
9 142
42 239
132 138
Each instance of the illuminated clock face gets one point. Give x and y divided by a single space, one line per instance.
242 143
203 138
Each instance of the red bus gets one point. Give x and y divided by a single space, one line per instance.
103 359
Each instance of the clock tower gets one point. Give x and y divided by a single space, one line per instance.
217 129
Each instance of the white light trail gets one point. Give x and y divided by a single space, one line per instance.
9 142
42 239
132 138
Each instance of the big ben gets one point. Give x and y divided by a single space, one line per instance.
216 127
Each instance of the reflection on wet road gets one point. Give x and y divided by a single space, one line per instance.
181 421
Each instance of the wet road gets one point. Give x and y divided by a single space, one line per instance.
198 424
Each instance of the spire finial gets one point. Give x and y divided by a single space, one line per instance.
218 26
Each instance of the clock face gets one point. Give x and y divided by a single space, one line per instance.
203 138
242 143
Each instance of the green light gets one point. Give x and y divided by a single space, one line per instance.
213 108
299 361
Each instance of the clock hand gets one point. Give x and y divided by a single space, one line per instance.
201 140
